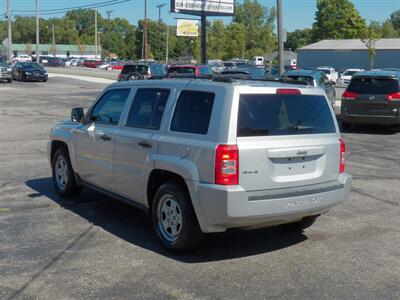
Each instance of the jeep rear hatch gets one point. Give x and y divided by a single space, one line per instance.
286 140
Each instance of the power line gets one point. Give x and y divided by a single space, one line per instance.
104 4
108 2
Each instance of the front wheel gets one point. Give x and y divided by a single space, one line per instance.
63 174
174 219
9 80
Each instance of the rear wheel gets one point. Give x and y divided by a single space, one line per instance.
63 174
9 80
23 77
173 218
136 76
300 225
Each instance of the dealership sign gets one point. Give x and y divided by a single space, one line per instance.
208 7
186 27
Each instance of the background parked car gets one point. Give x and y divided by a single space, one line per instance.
197 71
22 58
345 78
251 73
5 72
91 63
372 97
140 71
25 71
314 78
56 62
330 73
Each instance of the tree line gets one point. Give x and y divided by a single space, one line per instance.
251 32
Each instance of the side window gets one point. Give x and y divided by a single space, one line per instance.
205 71
148 108
108 109
193 112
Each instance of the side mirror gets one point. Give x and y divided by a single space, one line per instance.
77 114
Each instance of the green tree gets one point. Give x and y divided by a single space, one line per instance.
388 30
395 19
235 38
216 40
369 38
298 38
337 19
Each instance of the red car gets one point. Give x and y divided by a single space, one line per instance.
91 63
199 71
117 66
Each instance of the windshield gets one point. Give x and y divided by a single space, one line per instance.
34 66
270 114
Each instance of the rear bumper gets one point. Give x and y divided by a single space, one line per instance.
377 120
230 207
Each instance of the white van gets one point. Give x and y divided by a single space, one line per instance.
257 61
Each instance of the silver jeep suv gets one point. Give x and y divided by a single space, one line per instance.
203 156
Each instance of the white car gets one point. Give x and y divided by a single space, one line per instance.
345 78
330 73
22 58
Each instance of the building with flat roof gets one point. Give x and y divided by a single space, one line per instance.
344 54
64 51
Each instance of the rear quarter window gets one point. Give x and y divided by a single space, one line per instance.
273 115
373 85
193 112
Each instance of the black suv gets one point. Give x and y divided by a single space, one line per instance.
140 71
372 97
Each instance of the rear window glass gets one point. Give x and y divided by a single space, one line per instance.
270 115
182 70
308 79
373 86
157 69
193 112
135 69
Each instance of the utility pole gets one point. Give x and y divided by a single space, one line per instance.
9 52
37 32
109 12
203 38
54 40
159 6
145 30
95 32
166 50
280 37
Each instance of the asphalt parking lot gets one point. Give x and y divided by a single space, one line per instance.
94 247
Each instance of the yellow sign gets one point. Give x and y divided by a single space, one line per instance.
185 27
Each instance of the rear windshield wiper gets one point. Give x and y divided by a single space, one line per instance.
247 131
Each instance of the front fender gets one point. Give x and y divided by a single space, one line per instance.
63 132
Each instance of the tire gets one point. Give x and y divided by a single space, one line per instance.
174 219
63 174
346 127
300 225
136 76
23 77
9 80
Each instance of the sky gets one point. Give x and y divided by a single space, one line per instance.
297 14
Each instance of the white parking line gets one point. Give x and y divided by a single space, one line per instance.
84 78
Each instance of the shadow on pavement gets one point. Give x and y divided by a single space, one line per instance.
134 226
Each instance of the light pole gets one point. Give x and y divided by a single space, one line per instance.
159 6
54 40
95 32
37 32
145 31
9 52
280 37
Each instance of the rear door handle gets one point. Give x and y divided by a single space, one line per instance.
105 137
145 144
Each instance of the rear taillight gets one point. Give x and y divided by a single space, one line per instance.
342 154
349 95
288 92
393 96
227 165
